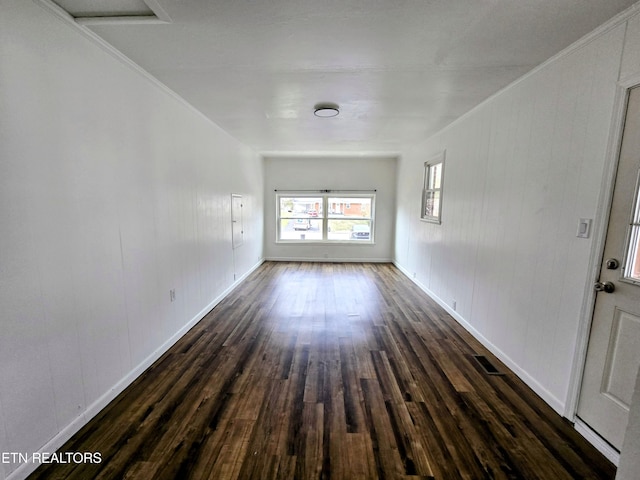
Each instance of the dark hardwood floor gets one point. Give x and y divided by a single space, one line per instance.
344 371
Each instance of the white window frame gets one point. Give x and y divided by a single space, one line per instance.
427 190
325 217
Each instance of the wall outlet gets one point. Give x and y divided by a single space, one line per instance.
172 295
454 305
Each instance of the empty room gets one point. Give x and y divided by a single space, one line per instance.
303 239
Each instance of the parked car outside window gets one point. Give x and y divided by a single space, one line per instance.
360 232
301 224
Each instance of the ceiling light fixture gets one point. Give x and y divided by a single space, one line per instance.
326 110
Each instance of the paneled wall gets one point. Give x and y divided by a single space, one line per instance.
348 173
113 192
521 170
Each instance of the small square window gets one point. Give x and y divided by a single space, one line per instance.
431 210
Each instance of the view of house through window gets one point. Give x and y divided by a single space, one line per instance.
326 218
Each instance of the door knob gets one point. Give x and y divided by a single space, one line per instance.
606 287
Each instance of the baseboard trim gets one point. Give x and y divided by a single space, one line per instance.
547 396
328 260
582 428
24 470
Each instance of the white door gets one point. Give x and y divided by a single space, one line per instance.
613 354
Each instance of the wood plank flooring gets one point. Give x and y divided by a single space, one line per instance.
317 371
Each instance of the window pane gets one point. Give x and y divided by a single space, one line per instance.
431 204
300 206
347 229
434 176
349 207
301 228
633 266
632 258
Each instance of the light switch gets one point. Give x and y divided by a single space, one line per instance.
584 228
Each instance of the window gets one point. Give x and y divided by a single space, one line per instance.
325 218
432 189
632 257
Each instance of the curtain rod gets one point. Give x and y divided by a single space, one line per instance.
325 191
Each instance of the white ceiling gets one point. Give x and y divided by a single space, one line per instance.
400 70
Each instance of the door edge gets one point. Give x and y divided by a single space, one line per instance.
612 454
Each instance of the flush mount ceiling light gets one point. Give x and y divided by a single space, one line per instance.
326 110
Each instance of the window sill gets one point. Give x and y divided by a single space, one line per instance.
324 242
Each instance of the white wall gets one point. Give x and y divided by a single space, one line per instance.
521 170
112 193
350 173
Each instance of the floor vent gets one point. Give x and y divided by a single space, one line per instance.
486 365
